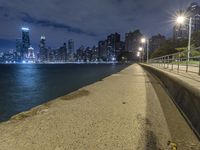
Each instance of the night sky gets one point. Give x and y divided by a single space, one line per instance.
85 21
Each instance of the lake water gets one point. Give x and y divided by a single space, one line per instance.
25 86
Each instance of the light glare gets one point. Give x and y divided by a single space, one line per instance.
143 40
138 54
180 19
140 48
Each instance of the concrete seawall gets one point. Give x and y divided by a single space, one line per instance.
128 110
185 94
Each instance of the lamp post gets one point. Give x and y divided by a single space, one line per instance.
138 55
145 40
140 50
189 39
181 20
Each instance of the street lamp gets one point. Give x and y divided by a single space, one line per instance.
181 20
140 49
143 41
138 54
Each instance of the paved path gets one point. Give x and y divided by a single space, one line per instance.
125 111
193 71
192 68
191 78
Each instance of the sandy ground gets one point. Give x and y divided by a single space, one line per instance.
125 111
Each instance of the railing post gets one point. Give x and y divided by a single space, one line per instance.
199 66
164 62
186 65
178 61
167 61
157 62
160 62
172 62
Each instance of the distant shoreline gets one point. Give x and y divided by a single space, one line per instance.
55 63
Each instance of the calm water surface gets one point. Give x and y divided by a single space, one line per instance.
25 86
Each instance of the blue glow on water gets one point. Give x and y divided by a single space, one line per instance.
23 86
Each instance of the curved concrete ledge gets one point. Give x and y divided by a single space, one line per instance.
185 94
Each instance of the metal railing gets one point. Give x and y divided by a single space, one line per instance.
178 61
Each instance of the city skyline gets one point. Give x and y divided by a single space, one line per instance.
85 22
110 49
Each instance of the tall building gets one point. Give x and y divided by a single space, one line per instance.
18 50
132 41
60 54
181 31
94 54
71 51
18 45
122 46
113 41
102 50
31 55
194 12
70 46
109 49
156 41
63 53
80 54
43 50
25 42
51 55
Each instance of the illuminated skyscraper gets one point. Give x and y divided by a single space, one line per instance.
25 42
18 50
31 55
43 50
63 53
102 48
113 43
113 40
70 50
18 45
71 46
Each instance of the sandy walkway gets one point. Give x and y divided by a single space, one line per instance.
121 112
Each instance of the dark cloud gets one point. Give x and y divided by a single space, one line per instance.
47 23
86 21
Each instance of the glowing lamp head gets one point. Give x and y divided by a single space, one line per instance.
180 19
143 40
138 54
140 49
